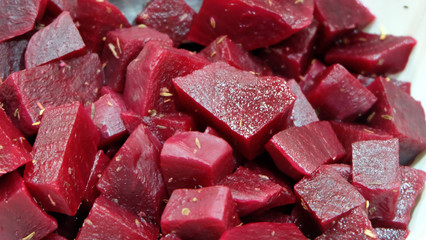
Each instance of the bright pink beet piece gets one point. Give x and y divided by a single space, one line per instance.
121 47
136 164
203 213
195 159
299 151
149 77
264 231
309 80
173 17
109 221
26 93
339 95
244 108
19 214
99 164
58 40
54 236
376 174
391 233
370 54
63 154
326 196
12 55
269 22
398 114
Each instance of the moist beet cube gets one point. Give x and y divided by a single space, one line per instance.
99 164
391 233
203 213
12 55
246 109
264 231
63 155
20 217
195 159
299 151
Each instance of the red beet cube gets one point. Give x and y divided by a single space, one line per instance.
299 151
199 213
99 164
63 155
264 231
391 233
20 217
12 55
246 109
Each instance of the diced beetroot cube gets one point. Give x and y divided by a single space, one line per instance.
273 215
15 150
225 50
108 221
366 81
269 22
412 182
372 53
354 225
99 164
327 196
59 40
26 93
173 17
344 170
170 236
149 77
95 19
19 16
12 55
57 6
391 233
245 109
20 217
299 151
309 81
376 174
121 47
199 213
195 159
397 113
264 231
136 164
63 154
54 236
339 95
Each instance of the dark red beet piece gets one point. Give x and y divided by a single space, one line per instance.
54 236
63 155
269 22
173 17
398 114
199 214
12 56
245 109
108 221
57 6
136 164
299 151
99 164
366 81
121 47
391 233
371 53
20 217
26 93
264 231
309 80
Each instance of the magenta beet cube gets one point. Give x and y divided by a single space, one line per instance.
20 217
391 233
195 159
372 53
203 213
58 40
63 155
149 86
54 236
264 231
299 151
136 164
376 174
247 110
309 80
12 55
99 164
121 47
26 93
109 221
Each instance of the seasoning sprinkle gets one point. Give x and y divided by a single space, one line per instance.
112 48
221 39
367 204
183 17
88 222
387 79
367 130
152 112
141 26
137 222
109 10
298 1
29 236
371 116
109 103
382 33
34 161
36 123
270 2
241 123
387 117
92 111
166 94
197 142
185 211
194 199
1 147
212 22
51 200
16 114
369 233
161 127
213 53
118 169
118 45
167 100
263 177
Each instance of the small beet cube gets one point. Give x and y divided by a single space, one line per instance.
203 213
309 80
99 164
12 55
264 231
391 233
20 217
195 159
299 151
245 108
54 236
63 154
376 174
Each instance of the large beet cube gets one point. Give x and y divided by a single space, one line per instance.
376 174
12 55
246 109
203 213
99 164
20 217
299 151
264 231
63 155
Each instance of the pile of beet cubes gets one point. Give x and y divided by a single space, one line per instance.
251 119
